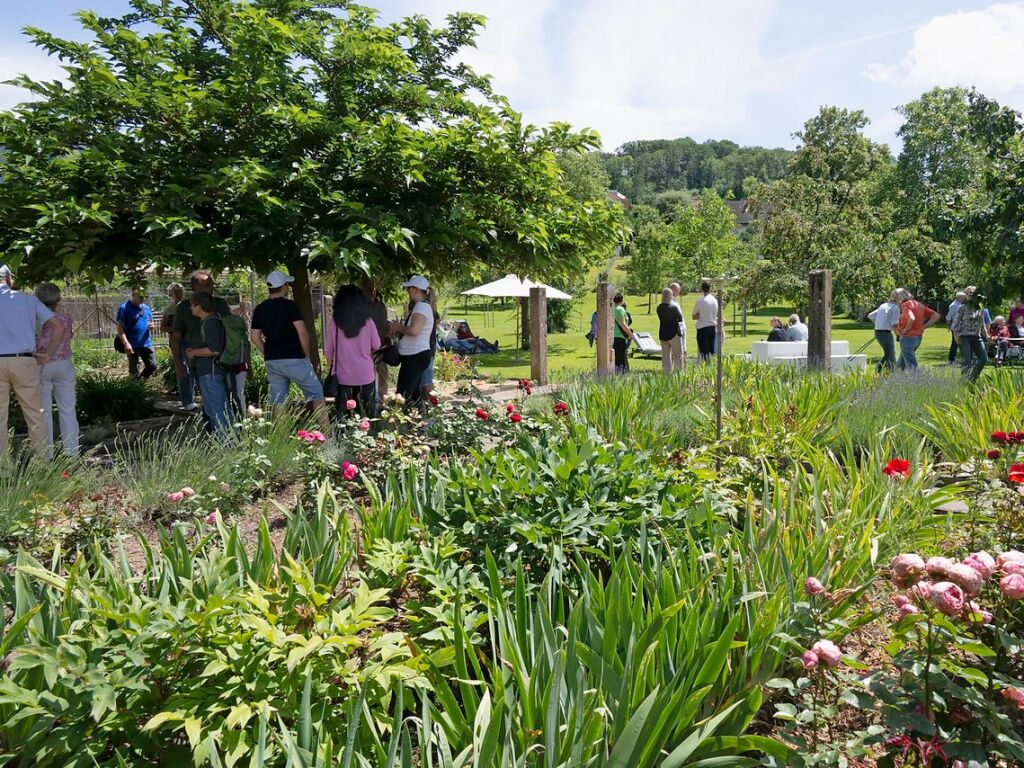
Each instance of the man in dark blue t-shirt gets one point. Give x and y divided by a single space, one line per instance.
134 323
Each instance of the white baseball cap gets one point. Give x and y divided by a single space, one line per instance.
278 278
417 281
5 271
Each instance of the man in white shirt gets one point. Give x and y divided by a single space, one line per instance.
797 331
21 314
705 312
951 313
885 317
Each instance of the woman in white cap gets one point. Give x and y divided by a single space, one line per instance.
413 333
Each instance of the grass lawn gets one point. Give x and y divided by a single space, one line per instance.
570 354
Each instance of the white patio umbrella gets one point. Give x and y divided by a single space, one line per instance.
511 286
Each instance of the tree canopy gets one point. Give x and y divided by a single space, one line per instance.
283 132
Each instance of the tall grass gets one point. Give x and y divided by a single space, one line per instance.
27 482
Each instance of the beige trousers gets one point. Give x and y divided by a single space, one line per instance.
672 355
383 374
22 375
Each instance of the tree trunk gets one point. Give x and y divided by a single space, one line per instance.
303 294
649 303
524 304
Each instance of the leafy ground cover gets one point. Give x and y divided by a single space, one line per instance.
587 580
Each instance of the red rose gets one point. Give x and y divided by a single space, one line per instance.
1016 474
65 475
1000 437
1016 437
434 400
510 408
994 453
515 417
897 468
560 408
482 414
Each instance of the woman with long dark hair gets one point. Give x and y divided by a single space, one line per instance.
352 339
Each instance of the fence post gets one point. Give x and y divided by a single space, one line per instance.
539 335
605 362
819 322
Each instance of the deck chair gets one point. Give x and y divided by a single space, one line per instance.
646 345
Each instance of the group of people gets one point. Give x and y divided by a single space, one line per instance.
35 364
794 330
671 328
972 331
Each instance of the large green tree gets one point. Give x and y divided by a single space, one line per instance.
828 215
300 133
704 239
989 221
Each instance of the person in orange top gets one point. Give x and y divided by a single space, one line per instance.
914 318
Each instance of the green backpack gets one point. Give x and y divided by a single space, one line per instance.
236 341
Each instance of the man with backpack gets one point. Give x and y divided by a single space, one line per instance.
205 361
279 332
187 329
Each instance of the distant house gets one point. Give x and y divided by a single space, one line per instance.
617 197
745 215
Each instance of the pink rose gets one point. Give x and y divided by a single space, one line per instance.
1015 696
1008 558
187 492
1012 585
350 472
813 587
906 568
901 600
939 566
211 518
346 464
908 609
1013 566
947 598
317 437
966 578
364 425
921 591
809 660
827 652
176 496
982 562
350 404
302 435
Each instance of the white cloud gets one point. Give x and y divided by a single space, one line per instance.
981 48
656 69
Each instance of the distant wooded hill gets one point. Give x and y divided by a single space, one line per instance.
645 171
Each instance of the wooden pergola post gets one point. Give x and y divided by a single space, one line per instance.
605 359
539 335
819 321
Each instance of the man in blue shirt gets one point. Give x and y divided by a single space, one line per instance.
134 323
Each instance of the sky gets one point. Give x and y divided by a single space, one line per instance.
748 70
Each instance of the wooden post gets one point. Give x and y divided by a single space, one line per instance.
719 343
819 321
605 360
743 327
539 335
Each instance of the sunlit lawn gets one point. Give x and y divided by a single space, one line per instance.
569 353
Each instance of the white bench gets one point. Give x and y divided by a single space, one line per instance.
795 353
646 345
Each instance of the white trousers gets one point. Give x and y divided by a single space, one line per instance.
57 382
672 355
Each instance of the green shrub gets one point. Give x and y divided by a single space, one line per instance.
103 397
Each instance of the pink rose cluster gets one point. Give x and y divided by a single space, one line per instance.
823 653
314 436
349 470
948 586
184 493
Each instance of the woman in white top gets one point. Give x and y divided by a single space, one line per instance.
885 318
414 339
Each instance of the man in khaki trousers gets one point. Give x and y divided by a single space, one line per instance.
21 314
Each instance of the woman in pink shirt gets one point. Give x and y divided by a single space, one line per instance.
57 377
352 339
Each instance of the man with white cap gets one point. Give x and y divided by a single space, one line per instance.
21 315
279 332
